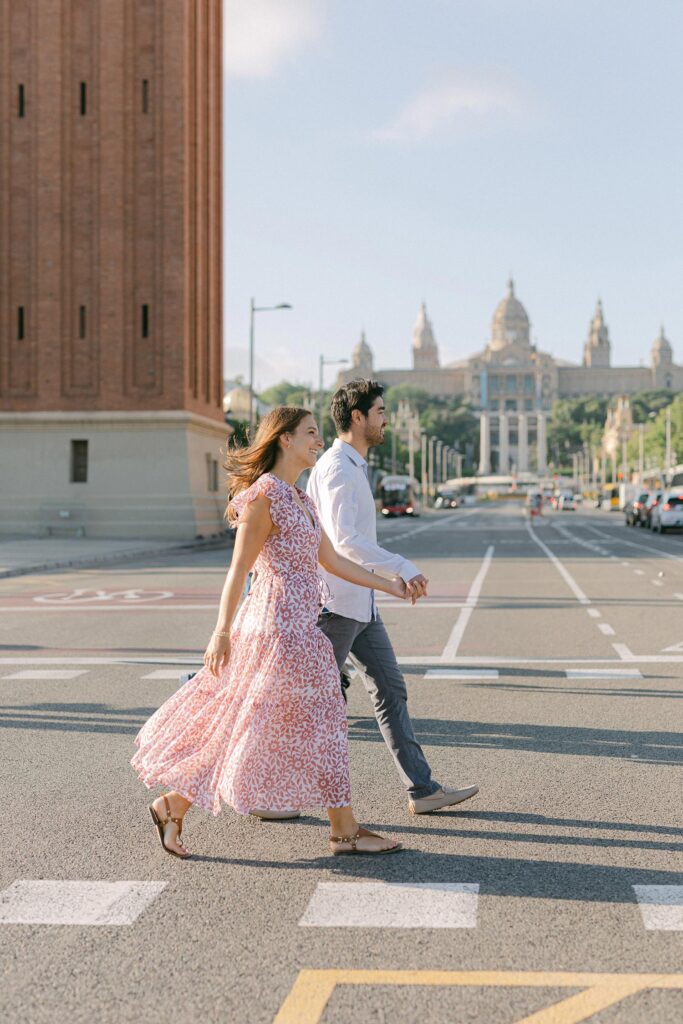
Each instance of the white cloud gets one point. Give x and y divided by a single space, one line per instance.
260 35
458 101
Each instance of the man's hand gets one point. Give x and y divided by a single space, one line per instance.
417 587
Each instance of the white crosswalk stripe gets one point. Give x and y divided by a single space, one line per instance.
164 673
392 905
29 901
661 907
603 673
462 673
47 673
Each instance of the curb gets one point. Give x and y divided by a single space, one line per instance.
85 561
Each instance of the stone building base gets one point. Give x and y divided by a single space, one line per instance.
149 475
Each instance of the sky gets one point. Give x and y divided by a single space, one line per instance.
378 153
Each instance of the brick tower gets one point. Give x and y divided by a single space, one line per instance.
110 266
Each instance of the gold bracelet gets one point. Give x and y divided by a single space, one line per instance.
216 633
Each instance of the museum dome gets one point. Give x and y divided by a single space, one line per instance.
510 321
361 357
662 352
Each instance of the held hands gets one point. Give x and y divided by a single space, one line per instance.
217 654
417 587
411 591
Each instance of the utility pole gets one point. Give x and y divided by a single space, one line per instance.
667 450
423 464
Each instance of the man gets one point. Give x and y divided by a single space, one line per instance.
340 488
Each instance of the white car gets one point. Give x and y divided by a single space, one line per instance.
566 502
668 513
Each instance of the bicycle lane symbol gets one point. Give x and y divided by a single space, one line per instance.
84 596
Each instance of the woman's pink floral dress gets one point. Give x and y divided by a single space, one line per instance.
271 732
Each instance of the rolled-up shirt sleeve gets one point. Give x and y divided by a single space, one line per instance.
338 503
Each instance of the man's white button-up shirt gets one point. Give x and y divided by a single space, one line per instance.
340 489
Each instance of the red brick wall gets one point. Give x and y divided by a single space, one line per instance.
113 200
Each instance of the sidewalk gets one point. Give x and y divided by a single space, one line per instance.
22 555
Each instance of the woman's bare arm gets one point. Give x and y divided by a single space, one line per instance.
336 564
254 527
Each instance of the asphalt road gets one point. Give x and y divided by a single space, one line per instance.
546 666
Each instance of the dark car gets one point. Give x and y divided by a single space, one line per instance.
645 511
446 499
632 508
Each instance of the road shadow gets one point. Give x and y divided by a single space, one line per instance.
496 876
647 746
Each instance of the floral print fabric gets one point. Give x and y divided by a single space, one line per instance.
271 732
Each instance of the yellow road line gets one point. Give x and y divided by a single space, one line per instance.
312 989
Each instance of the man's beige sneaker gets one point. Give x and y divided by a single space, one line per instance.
275 815
443 797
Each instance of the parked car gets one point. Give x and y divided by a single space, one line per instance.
645 511
667 514
632 508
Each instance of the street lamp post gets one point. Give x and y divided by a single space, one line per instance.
253 308
423 464
667 449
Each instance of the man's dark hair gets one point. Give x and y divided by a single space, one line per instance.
358 394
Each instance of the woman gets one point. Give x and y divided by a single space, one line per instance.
263 724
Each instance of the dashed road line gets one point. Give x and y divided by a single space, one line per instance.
392 905
661 907
29 901
594 613
639 572
606 629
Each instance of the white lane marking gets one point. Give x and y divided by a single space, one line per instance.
458 631
679 597
462 673
603 673
639 572
47 673
652 549
392 905
674 649
81 596
422 603
594 613
564 573
82 903
164 673
607 630
447 521
106 608
656 583
624 652
626 564
661 907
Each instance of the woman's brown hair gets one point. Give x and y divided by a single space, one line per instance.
245 465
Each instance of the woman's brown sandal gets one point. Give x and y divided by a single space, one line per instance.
353 841
161 824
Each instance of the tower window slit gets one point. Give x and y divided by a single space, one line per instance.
145 96
84 98
81 321
145 321
21 105
20 324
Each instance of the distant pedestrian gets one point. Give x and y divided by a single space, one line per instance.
263 724
340 488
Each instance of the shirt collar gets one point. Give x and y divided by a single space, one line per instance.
349 451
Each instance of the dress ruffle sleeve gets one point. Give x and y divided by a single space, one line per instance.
268 486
